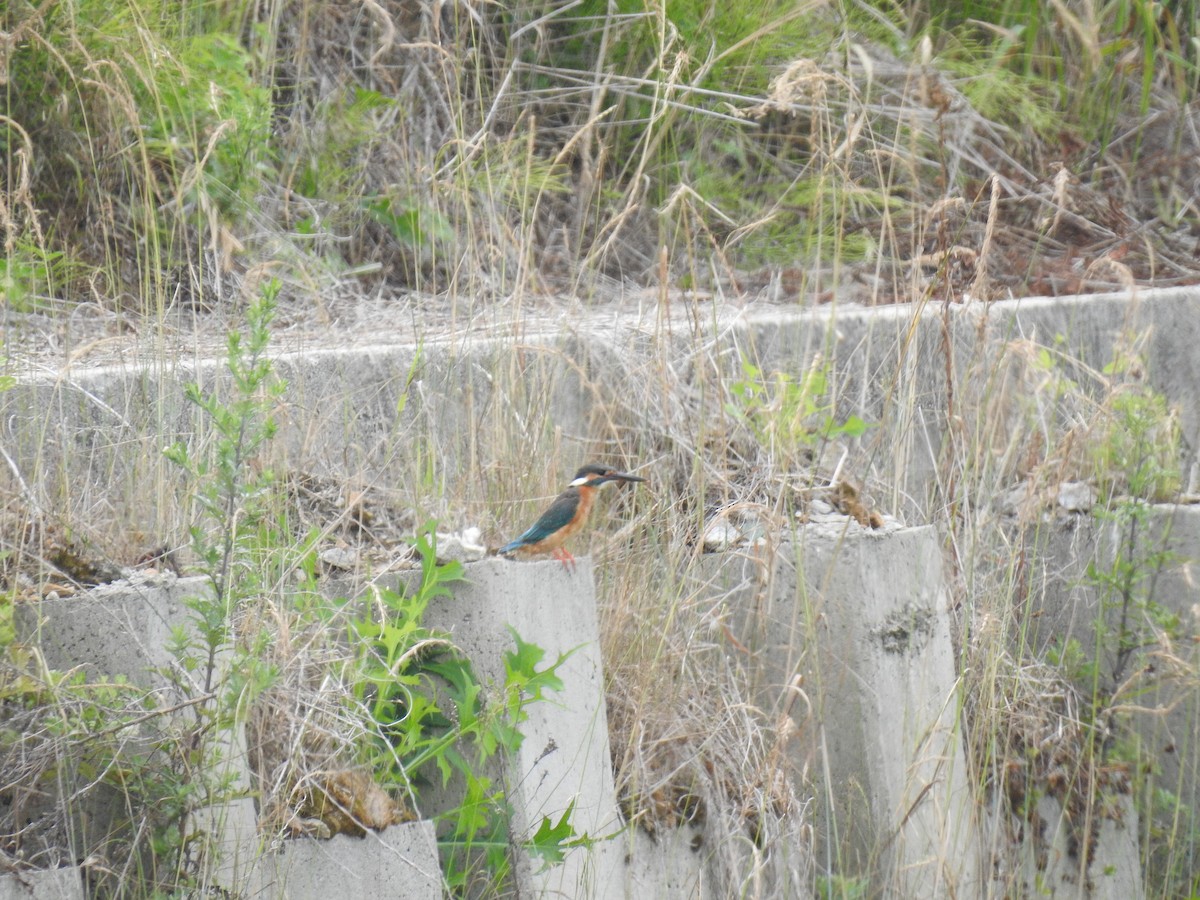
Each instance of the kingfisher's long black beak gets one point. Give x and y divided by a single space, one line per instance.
617 476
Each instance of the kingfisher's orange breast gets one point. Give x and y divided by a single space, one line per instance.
552 542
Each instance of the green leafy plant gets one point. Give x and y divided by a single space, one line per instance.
1129 618
417 227
237 547
144 130
492 731
842 887
757 190
438 724
233 533
334 165
1137 447
791 416
1132 449
1091 71
30 273
208 95
1174 845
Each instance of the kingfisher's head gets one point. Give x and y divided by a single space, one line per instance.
595 476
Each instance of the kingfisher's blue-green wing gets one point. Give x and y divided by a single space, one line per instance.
558 515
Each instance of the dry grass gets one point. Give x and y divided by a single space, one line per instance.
691 741
439 174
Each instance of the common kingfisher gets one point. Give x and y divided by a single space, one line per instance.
565 516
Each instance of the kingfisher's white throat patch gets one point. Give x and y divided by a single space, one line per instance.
588 479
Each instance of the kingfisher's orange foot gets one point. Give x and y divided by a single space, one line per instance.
564 556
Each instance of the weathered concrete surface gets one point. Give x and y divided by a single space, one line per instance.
116 629
856 622
1162 703
399 863
1043 864
671 865
123 629
50 884
889 363
565 758
232 829
84 436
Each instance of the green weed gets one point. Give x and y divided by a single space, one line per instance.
437 723
792 417
240 551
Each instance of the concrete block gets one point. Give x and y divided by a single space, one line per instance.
1036 860
235 845
670 866
680 864
124 629
1070 607
92 434
47 884
119 629
859 618
399 863
565 757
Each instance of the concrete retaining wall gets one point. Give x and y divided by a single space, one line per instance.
122 629
1160 701
854 622
81 436
855 619
53 884
860 616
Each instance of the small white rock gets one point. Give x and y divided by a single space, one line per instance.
1076 496
464 548
472 538
818 507
338 558
719 536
